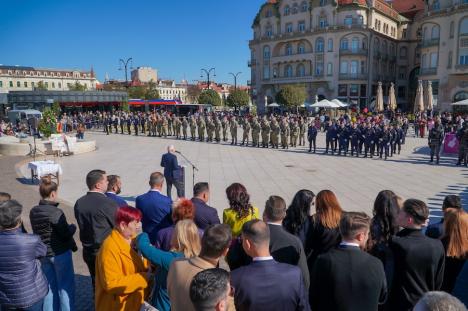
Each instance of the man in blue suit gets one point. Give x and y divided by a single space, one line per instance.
155 207
172 172
266 284
114 187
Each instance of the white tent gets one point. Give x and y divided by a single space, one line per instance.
419 101
379 102
461 103
326 104
273 105
340 103
429 96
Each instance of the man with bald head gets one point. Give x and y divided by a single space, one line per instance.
172 172
266 284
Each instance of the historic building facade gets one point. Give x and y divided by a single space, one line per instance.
343 49
20 78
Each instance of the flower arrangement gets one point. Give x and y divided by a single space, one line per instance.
48 123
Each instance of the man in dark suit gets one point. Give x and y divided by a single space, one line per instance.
114 187
436 230
266 284
284 247
347 278
172 172
155 207
419 260
205 215
95 215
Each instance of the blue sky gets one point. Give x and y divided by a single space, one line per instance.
176 37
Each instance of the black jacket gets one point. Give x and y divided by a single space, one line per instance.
419 268
95 215
346 279
49 222
287 248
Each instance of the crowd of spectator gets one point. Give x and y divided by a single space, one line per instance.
165 255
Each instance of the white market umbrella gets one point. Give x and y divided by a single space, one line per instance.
379 105
461 103
419 101
273 105
325 104
392 104
429 96
340 103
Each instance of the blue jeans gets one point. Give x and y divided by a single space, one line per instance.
61 276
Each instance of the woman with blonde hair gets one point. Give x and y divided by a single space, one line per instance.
185 242
455 241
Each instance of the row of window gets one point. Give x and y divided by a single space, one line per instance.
33 84
295 8
47 74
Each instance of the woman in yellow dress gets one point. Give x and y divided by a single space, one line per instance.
240 210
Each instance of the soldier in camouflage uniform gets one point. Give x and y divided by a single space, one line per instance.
217 130
224 125
164 126
233 127
294 132
170 121
246 131
275 131
284 130
193 127
177 125
159 123
302 131
210 126
184 127
256 133
201 128
265 132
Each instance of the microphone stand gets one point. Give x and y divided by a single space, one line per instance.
194 168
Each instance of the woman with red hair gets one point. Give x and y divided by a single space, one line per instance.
121 273
181 209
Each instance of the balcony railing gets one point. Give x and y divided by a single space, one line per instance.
430 42
252 62
428 71
307 78
353 51
377 54
353 76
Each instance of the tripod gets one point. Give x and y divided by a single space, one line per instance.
33 150
194 168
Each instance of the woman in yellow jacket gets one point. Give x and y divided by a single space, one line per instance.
240 210
121 273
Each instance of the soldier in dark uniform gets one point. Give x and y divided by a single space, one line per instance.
362 136
378 133
116 123
129 124
400 137
462 136
330 138
143 123
343 139
369 141
393 138
384 142
312 136
436 137
106 124
355 135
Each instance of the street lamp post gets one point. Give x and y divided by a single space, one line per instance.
125 64
208 72
235 79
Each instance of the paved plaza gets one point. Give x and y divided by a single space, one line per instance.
264 172
356 181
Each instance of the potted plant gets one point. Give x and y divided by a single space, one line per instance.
48 123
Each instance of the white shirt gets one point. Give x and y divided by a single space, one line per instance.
157 190
262 258
96 192
349 244
274 224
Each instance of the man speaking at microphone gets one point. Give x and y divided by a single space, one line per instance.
172 172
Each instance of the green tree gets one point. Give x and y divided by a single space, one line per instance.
77 86
209 97
48 123
56 108
238 98
41 86
151 91
291 95
136 92
125 107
